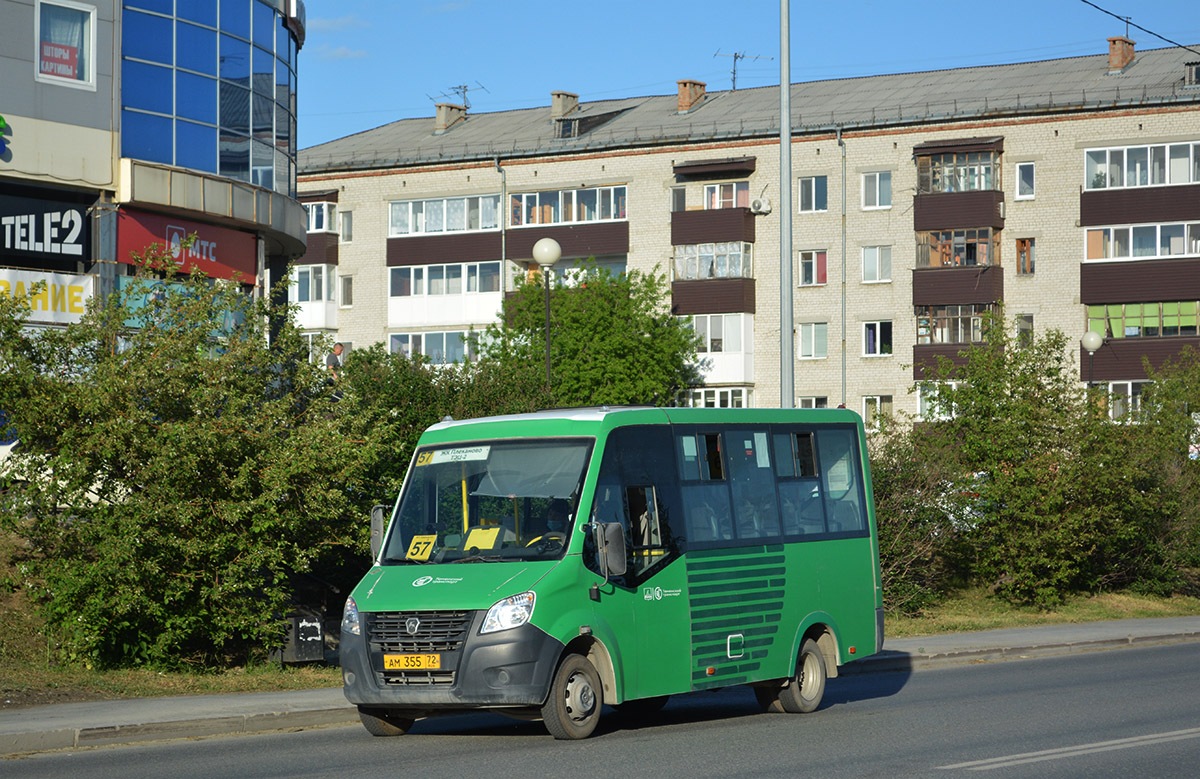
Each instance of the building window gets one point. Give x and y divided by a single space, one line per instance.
347 291
444 215
812 269
1125 399
877 190
957 172
322 217
875 407
733 194
678 199
1025 181
595 204
877 339
1143 241
311 283
814 194
1142 166
957 248
346 221
813 343
66 42
812 401
718 397
441 348
1025 256
1025 330
877 263
951 324
930 404
718 332
1145 320
456 279
722 260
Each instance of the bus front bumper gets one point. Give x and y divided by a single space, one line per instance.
508 668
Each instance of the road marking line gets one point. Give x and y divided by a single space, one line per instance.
1075 751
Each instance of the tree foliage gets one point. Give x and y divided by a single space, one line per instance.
613 339
174 472
1043 493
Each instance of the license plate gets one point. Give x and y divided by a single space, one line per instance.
412 662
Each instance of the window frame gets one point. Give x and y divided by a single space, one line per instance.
90 34
820 267
810 182
870 420
1102 171
682 253
1107 237
345 226
812 401
878 254
738 191
346 291
1032 194
1026 256
876 177
878 325
812 328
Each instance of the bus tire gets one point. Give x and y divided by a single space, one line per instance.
573 708
805 690
379 722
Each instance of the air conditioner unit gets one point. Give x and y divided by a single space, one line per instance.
760 205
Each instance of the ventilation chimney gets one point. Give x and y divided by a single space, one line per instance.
691 94
448 115
1120 54
562 103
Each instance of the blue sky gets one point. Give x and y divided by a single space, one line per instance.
365 64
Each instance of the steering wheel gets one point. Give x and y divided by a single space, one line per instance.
548 538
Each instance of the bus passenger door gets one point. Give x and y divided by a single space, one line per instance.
660 604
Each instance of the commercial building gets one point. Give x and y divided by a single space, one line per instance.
1067 190
131 123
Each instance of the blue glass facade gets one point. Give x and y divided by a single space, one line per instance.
210 85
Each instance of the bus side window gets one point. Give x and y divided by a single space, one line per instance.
644 529
838 473
803 510
753 484
706 499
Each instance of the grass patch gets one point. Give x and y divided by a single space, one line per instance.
976 609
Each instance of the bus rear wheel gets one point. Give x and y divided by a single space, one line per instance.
573 708
803 692
379 722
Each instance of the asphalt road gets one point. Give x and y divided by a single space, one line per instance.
1120 713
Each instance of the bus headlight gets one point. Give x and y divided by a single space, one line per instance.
350 623
508 613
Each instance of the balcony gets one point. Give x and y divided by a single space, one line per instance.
712 225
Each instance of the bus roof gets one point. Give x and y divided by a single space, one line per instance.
592 420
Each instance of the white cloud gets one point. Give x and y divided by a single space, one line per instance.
326 52
333 25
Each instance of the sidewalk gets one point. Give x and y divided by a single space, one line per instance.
99 723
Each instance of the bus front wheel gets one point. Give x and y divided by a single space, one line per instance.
803 692
573 708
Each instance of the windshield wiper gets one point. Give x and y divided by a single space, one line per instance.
396 560
478 558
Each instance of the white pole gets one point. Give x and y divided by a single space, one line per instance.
787 363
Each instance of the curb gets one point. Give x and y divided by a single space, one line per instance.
76 738
894 660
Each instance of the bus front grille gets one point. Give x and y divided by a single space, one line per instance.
417 632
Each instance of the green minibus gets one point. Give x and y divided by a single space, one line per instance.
543 565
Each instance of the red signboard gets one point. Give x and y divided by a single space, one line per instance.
218 251
59 60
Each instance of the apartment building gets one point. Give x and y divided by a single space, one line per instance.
1068 190
126 124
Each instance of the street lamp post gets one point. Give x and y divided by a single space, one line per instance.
545 253
1091 341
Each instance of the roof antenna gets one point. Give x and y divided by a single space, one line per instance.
739 55
461 91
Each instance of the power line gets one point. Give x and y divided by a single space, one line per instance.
1129 24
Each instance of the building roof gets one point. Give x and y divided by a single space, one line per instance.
1154 78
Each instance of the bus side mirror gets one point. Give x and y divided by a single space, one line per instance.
610 544
378 525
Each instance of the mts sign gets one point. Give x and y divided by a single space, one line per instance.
200 251
220 252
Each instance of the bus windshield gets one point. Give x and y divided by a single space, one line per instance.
489 501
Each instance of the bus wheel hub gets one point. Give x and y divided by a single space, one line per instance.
581 698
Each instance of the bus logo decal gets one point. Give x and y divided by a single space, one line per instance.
422 581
